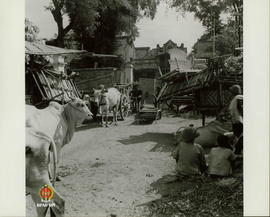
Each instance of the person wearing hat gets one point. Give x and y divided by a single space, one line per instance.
236 105
189 156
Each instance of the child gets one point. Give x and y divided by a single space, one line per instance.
189 156
221 158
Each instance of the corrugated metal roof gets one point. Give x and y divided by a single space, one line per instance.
37 48
91 54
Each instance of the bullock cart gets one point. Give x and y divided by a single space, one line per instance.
45 76
89 78
125 105
206 91
148 114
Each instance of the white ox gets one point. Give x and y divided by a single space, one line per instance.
49 129
110 100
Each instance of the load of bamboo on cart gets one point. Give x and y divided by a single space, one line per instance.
57 74
202 91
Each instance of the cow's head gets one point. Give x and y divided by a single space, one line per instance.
97 96
79 110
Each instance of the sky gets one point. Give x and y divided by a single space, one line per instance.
167 24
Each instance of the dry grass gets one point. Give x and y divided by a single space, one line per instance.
196 197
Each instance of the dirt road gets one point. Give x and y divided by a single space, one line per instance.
110 170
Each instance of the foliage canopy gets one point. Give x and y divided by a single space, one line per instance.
95 24
30 30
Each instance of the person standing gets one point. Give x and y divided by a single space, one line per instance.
236 105
136 97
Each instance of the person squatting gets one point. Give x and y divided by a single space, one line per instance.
221 160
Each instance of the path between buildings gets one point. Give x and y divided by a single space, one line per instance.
110 170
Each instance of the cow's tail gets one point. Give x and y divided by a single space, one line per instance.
120 102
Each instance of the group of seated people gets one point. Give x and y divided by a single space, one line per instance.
225 157
222 159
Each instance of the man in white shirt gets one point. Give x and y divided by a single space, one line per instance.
236 105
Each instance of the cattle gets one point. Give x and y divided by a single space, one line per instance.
57 121
48 130
108 101
38 146
208 134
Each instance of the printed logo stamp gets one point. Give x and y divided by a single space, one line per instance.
46 194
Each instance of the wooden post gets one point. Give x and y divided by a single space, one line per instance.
213 31
203 119
193 103
62 89
220 97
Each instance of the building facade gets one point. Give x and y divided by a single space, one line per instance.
126 50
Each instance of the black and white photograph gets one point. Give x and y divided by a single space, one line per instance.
134 108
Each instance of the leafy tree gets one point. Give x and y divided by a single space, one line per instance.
96 23
225 41
113 21
208 11
118 19
81 14
31 30
227 36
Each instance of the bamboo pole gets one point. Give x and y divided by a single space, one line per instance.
47 82
43 97
44 84
75 87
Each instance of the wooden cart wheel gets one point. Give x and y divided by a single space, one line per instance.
124 108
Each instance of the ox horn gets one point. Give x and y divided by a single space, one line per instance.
54 150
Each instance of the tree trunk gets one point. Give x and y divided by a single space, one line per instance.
57 15
60 39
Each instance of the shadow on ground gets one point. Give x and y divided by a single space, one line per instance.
165 142
170 185
89 125
149 122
